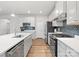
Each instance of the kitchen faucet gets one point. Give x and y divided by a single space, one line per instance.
15 31
16 28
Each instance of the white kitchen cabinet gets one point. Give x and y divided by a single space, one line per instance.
60 7
65 7
61 49
30 20
71 53
77 9
66 51
27 44
71 12
59 13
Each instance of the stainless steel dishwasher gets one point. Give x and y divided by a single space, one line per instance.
16 51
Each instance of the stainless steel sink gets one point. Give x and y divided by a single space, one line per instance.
18 36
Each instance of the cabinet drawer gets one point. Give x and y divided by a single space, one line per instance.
27 44
71 53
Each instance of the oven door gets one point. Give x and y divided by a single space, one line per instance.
52 46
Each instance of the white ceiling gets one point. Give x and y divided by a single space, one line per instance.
21 7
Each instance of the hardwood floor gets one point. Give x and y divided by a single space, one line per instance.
39 49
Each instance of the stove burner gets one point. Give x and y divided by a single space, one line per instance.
60 36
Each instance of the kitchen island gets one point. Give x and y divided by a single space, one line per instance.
68 47
8 41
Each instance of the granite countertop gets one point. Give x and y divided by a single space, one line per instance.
7 41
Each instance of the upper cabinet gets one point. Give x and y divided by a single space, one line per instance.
72 13
70 8
60 12
77 9
60 7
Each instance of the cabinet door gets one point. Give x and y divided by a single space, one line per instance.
64 6
71 53
78 10
27 44
61 49
71 11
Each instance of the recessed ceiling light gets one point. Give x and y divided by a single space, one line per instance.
41 12
28 11
13 15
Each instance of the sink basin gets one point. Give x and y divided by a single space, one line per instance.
18 36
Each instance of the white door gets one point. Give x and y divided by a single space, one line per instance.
4 26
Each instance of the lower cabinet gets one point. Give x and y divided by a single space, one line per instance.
66 51
61 49
27 44
71 53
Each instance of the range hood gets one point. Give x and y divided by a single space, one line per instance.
74 22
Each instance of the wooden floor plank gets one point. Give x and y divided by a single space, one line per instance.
39 49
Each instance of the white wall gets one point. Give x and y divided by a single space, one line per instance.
4 26
14 24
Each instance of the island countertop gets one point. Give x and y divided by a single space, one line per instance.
71 42
7 41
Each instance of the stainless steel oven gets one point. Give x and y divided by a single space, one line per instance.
53 42
53 46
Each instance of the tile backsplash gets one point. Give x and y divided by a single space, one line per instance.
70 29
